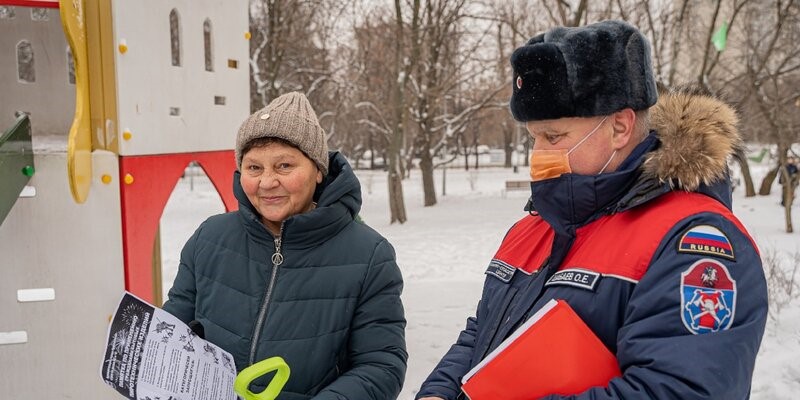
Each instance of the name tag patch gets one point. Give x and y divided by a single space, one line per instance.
581 278
501 270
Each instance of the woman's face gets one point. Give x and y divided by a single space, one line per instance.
279 181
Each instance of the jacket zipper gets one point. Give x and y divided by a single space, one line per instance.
277 260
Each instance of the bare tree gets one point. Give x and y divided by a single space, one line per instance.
403 64
771 80
275 25
289 47
292 49
678 57
372 57
452 62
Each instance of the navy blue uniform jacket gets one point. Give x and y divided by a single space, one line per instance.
649 256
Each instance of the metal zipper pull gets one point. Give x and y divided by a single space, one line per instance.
277 258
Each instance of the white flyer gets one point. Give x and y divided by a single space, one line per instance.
152 355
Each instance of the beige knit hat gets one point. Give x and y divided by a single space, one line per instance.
291 118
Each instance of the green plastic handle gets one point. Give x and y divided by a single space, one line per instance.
251 373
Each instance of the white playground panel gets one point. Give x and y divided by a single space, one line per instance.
144 109
49 242
68 257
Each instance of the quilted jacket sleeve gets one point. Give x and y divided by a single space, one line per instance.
376 348
662 348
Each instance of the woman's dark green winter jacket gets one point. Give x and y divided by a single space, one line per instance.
334 311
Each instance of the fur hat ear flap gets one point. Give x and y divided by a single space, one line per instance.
540 83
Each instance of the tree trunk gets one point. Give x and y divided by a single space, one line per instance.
792 196
788 199
787 190
749 187
397 205
444 180
426 169
788 214
396 202
466 158
372 153
766 184
508 143
744 166
508 147
789 183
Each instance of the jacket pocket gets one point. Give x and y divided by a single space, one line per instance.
488 328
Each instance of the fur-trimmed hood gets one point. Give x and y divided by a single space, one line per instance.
697 132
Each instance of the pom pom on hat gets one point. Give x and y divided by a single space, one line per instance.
585 71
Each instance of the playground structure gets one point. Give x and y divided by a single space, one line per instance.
105 102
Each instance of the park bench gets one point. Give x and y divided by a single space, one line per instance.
514 186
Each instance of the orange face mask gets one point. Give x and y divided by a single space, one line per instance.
548 164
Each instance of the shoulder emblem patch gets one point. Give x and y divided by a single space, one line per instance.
706 239
708 297
501 270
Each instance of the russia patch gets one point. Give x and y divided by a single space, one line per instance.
581 278
706 239
501 270
708 297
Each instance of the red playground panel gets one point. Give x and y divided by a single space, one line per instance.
146 183
30 3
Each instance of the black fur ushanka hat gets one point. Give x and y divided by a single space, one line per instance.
586 71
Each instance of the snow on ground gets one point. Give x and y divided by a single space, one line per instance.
443 252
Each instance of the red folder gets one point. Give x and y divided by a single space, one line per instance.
554 352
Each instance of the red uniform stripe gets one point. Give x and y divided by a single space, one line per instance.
621 244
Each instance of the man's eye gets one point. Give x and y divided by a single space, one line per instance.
284 166
253 167
552 138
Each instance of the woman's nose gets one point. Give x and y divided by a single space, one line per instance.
268 181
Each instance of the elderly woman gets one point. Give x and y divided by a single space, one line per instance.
292 273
